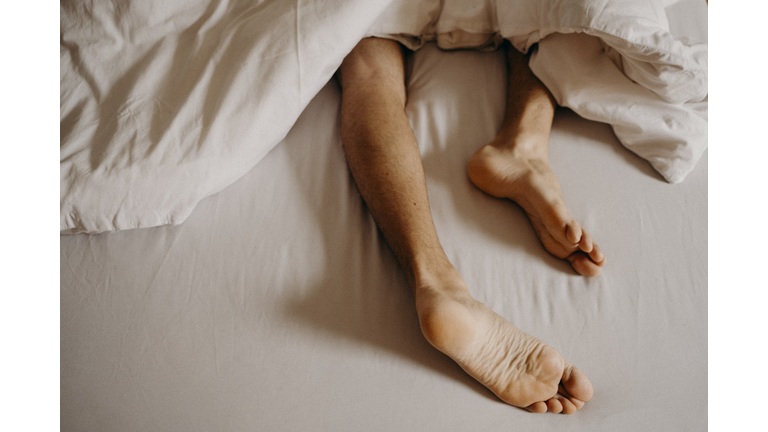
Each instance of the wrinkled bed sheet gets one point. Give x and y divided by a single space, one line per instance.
163 104
277 305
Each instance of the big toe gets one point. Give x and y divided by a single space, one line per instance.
576 383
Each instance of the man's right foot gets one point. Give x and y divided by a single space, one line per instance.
502 172
520 369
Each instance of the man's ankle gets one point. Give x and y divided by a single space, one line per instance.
438 278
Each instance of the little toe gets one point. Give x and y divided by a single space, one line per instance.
537 407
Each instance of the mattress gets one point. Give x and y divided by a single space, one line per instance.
277 305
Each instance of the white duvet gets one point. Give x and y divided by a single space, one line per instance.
165 103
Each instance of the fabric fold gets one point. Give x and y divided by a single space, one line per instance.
165 104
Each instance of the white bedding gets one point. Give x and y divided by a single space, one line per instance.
277 305
165 104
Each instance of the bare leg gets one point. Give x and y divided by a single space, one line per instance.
384 159
515 165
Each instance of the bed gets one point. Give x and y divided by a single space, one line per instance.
273 303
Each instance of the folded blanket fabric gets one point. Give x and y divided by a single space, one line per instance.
612 61
163 104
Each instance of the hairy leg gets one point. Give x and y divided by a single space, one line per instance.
515 165
384 159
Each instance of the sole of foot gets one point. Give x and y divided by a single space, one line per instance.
518 368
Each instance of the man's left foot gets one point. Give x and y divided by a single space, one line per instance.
502 172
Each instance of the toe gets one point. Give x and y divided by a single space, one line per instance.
573 232
563 393
586 243
558 222
583 264
577 403
588 246
568 406
597 256
554 406
576 383
537 407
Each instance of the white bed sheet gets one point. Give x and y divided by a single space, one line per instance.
277 305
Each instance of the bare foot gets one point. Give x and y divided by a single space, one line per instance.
520 369
529 181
